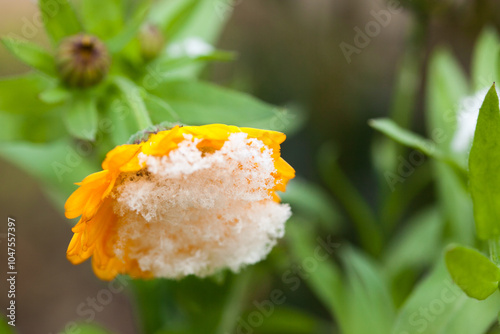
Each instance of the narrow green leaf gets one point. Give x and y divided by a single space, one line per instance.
38 128
405 137
119 41
60 19
80 117
446 86
169 63
484 164
234 302
192 19
290 321
54 95
361 214
20 94
401 255
204 20
326 280
160 110
203 103
4 327
31 54
121 116
410 139
366 289
58 166
484 59
132 95
105 22
473 272
87 329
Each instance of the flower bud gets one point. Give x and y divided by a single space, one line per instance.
82 60
151 41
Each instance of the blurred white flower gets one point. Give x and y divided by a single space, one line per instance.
466 120
191 47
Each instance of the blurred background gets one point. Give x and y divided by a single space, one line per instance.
289 53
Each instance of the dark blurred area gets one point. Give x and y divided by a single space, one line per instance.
289 53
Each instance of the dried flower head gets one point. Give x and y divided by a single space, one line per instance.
82 60
190 200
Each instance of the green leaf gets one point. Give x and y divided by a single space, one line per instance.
405 137
87 329
290 321
473 272
361 214
58 165
124 122
119 41
54 95
191 18
446 87
401 254
180 67
484 59
234 302
484 164
20 94
326 280
410 139
188 19
35 128
60 19
438 306
105 22
4 327
31 54
366 289
160 110
203 103
132 95
81 117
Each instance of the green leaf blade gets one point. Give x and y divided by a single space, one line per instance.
31 54
20 94
200 103
80 117
484 58
105 22
473 272
405 137
60 19
484 164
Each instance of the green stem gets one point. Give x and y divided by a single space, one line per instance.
361 214
150 304
133 97
494 245
234 303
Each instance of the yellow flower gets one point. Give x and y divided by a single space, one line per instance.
190 200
